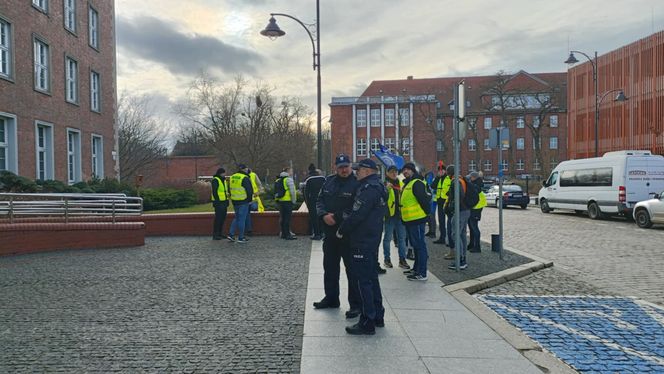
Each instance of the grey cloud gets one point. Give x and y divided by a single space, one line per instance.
156 40
370 47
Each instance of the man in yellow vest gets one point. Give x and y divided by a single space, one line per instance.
220 202
476 214
393 222
256 204
241 195
415 207
442 185
286 203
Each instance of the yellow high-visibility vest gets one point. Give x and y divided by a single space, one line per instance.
221 190
410 207
482 203
254 183
391 199
238 193
443 188
287 195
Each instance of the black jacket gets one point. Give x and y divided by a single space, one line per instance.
364 224
423 198
312 187
462 195
215 188
336 196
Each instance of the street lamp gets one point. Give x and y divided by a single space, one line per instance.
273 31
598 98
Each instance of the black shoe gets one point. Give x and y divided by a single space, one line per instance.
475 250
379 322
430 235
289 238
217 238
439 241
352 313
230 238
380 270
358 329
324 304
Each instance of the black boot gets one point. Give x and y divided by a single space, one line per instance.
366 327
352 313
325 303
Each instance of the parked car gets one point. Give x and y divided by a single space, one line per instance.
512 195
649 212
607 185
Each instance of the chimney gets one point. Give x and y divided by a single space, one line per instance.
410 77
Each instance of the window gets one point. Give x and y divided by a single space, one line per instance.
472 145
487 147
472 165
95 103
361 147
520 143
520 164
71 77
5 49
553 163
70 15
487 165
537 143
439 146
93 25
440 124
587 178
375 144
405 147
520 122
487 123
375 117
537 165
389 117
467 103
553 120
41 5
42 66
536 121
451 105
97 157
361 118
44 142
8 151
389 144
553 142
505 165
404 117
73 156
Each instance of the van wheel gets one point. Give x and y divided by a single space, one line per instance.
643 219
544 206
594 212
497 202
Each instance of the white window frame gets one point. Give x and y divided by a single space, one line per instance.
71 80
553 163
505 165
553 142
488 123
553 120
537 165
361 118
93 27
6 49
42 65
95 91
404 116
375 144
361 147
73 149
97 157
41 5
488 166
439 145
405 146
389 117
520 122
487 147
9 145
375 117
520 143
69 10
520 164
540 142
472 165
440 124
389 144
472 146
536 122
46 149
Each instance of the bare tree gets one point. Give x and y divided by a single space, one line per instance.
140 136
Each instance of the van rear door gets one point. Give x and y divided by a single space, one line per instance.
642 177
655 182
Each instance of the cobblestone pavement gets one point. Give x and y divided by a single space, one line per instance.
174 305
613 256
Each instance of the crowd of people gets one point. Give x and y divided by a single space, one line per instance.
352 212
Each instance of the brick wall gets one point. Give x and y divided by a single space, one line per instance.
181 170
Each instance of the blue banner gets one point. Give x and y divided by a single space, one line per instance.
388 158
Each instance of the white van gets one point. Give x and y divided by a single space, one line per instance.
607 185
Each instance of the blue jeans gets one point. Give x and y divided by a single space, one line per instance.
253 207
393 224
416 236
463 223
450 237
474 227
241 212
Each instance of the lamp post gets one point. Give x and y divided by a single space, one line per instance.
598 98
273 31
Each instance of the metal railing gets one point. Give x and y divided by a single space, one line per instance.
68 205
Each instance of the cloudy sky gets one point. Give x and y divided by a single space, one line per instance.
164 44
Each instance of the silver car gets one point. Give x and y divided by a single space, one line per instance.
649 212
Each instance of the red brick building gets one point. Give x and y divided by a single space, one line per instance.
638 123
180 171
414 117
57 89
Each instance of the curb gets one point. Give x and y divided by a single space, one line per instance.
532 351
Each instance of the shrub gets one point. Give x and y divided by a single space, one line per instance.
167 198
10 182
203 191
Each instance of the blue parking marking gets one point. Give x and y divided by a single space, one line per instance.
593 334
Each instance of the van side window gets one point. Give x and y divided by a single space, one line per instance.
552 179
598 177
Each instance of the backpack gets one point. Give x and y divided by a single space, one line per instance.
472 196
279 190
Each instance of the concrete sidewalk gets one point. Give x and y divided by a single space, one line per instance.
426 331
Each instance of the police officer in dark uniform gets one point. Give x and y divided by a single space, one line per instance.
336 196
364 225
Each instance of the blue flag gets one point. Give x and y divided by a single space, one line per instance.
388 158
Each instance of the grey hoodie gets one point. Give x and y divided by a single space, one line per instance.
291 185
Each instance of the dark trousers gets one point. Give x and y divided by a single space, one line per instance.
220 210
314 221
441 222
365 271
474 229
432 223
334 250
416 235
450 236
285 214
